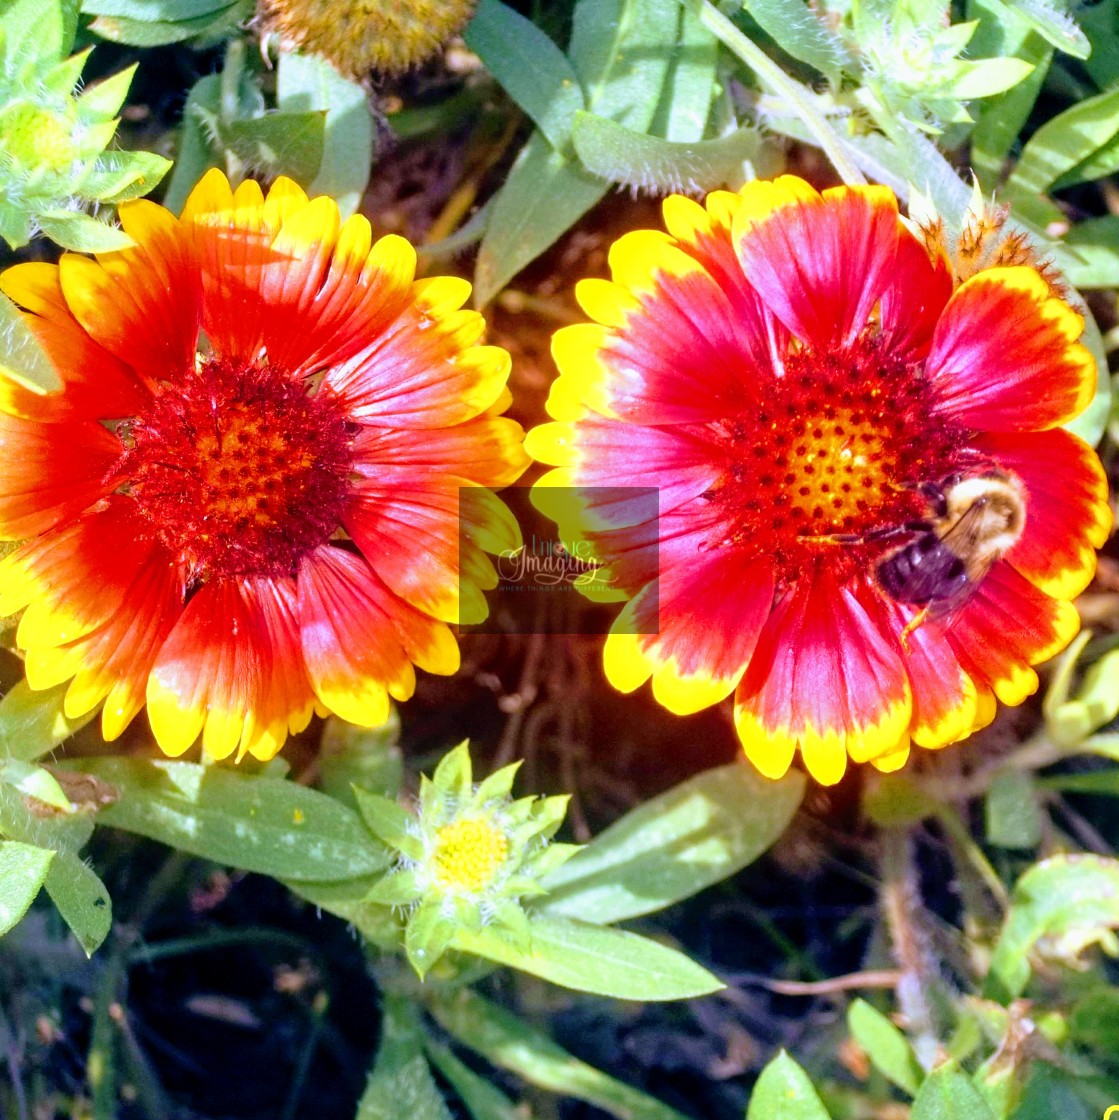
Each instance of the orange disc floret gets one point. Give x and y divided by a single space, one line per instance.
814 394
244 506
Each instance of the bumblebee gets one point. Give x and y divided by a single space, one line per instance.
975 522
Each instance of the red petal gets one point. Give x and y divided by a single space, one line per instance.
824 678
142 304
694 629
209 676
913 299
486 451
101 598
354 632
1005 355
51 472
820 264
1007 626
97 384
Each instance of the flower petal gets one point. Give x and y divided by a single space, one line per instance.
209 675
820 262
1005 357
946 701
142 304
915 295
680 462
488 451
1007 626
359 639
1067 511
51 472
681 353
694 629
100 599
824 678
97 384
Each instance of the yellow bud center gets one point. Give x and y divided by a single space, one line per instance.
468 853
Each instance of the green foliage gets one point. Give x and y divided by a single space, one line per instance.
784 1092
885 1046
54 166
156 23
675 845
320 134
267 825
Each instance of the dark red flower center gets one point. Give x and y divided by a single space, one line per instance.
838 448
239 470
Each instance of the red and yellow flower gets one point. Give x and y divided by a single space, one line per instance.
244 506
788 369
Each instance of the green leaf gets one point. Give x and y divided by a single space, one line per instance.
1092 422
1103 783
153 11
530 67
885 1045
360 756
23 819
999 122
1072 897
621 51
389 821
159 33
103 99
74 230
266 825
427 935
82 900
482 1100
675 845
34 781
198 148
542 197
783 1092
39 33
378 924
34 723
797 98
1063 142
800 32
609 962
513 1044
306 84
637 159
279 143
454 776
1013 817
685 104
23 869
1095 253
987 76
1052 22
122 176
948 1094
22 358
401 1084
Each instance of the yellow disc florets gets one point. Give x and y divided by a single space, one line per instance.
468 854
362 35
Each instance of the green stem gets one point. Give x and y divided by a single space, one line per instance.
772 75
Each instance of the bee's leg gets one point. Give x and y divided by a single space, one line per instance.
833 538
913 624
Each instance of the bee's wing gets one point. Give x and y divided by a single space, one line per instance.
966 540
